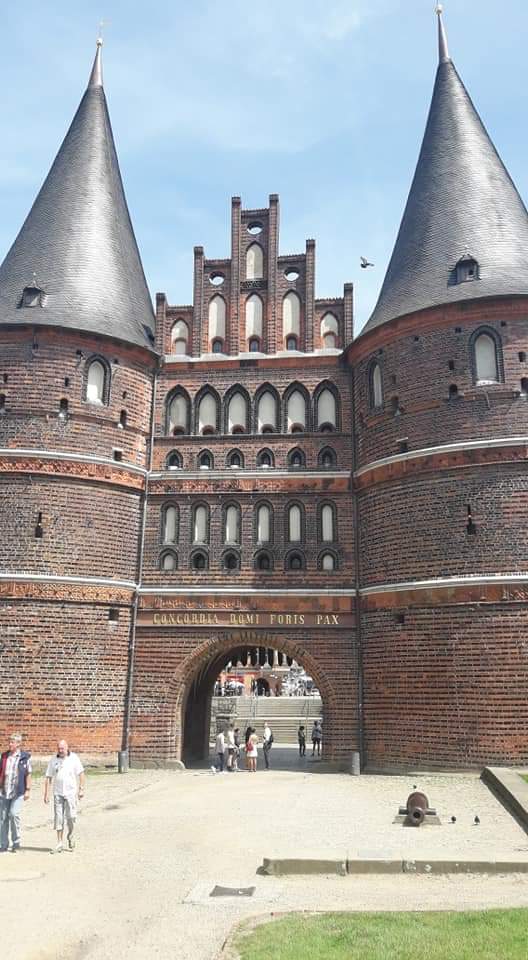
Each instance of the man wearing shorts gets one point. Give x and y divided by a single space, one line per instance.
63 770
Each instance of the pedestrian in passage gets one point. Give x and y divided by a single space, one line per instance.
237 748
249 730
267 743
65 779
317 736
220 747
251 751
15 787
230 744
301 737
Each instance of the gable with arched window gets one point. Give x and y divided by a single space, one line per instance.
217 323
486 356
168 561
207 406
174 460
296 459
291 320
327 458
97 381
265 459
254 325
326 407
254 262
178 412
375 386
180 337
329 331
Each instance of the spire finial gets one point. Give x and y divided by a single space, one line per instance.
443 51
96 76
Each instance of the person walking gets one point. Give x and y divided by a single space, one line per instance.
252 751
317 736
15 787
65 779
220 747
230 743
237 748
267 743
301 737
247 734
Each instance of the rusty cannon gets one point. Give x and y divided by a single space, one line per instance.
417 809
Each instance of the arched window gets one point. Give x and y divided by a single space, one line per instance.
295 561
486 363
200 524
291 317
168 561
327 458
254 317
254 345
231 560
296 412
218 346
295 524
232 524
170 524
296 459
235 460
327 561
263 561
327 524
217 319
207 414
174 460
254 262
178 414
291 342
267 413
264 523
199 560
96 382
205 460
237 413
375 386
265 459
329 331
326 413
179 337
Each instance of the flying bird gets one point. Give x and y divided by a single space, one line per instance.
365 263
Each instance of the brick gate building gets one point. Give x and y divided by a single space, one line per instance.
183 488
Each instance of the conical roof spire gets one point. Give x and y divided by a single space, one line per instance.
78 239
462 205
443 51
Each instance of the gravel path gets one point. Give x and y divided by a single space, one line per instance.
151 846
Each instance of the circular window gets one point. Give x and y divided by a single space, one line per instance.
216 279
254 228
291 274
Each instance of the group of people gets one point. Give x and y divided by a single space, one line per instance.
64 781
228 748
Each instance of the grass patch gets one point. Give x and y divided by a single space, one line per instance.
525 776
486 935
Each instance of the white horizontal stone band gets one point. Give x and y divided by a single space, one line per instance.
50 578
231 473
247 591
78 457
442 448
469 581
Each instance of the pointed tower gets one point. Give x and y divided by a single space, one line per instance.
77 250
462 206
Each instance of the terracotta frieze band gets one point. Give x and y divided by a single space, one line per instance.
99 471
448 457
64 592
445 592
256 483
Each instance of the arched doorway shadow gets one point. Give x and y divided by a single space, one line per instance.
191 691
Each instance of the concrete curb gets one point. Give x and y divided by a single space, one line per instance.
510 789
277 867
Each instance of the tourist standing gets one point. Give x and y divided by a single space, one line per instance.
267 743
230 743
65 777
15 787
251 751
317 736
220 747
301 737
237 748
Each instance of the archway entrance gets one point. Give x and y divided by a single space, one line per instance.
243 687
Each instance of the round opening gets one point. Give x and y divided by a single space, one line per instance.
254 228
291 274
216 279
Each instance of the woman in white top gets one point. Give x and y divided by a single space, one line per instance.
252 752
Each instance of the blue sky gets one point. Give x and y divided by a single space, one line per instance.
323 102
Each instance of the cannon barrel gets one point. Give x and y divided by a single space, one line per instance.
417 805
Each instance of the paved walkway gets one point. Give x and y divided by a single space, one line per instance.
153 844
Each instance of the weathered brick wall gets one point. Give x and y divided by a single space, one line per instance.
64 670
448 687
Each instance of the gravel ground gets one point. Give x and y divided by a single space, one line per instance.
152 844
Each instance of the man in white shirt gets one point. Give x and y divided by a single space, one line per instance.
220 747
63 770
267 743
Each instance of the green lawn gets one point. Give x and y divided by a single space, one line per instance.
486 935
525 776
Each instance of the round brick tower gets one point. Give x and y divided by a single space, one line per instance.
76 372
441 425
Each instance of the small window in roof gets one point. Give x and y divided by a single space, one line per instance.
467 269
32 296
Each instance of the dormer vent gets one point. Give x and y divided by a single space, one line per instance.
466 270
32 296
